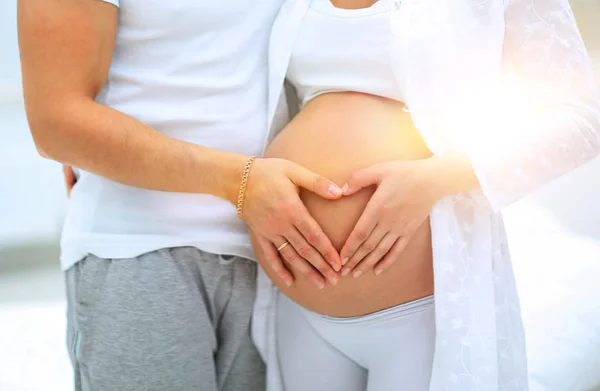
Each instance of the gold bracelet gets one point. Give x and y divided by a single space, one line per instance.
243 184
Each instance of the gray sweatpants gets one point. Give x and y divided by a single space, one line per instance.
174 319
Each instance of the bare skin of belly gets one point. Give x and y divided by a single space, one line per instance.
335 135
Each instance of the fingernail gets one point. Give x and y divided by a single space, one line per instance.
334 190
378 272
357 274
333 280
345 272
288 282
319 284
335 266
344 261
345 188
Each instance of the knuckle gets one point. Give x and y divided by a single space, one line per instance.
305 251
362 235
276 265
314 238
369 247
293 259
283 275
372 259
299 222
311 274
352 249
382 250
316 182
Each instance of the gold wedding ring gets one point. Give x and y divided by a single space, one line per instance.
282 246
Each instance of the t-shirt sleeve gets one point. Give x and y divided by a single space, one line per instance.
115 2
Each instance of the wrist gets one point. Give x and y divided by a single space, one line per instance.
450 174
232 171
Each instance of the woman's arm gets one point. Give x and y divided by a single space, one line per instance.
66 50
546 118
541 120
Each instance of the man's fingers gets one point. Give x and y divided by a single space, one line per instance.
313 182
392 255
274 261
315 236
306 251
291 257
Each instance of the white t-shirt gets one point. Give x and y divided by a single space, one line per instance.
195 71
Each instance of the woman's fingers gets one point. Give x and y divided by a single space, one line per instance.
308 253
379 252
363 178
317 184
367 247
363 229
273 259
70 178
392 255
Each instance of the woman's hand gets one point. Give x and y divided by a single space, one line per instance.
276 215
70 178
406 192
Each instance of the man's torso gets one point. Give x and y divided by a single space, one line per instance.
195 71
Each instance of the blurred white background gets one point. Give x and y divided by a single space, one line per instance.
555 238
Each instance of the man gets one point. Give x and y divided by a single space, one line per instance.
161 104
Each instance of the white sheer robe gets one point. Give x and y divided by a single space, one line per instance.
510 84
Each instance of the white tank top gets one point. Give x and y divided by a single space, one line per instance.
344 50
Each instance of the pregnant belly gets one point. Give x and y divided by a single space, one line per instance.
334 135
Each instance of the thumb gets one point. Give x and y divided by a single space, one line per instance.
362 178
318 184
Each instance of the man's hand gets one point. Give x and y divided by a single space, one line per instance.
276 215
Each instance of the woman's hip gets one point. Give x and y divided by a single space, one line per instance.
392 346
399 333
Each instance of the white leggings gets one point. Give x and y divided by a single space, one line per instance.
389 350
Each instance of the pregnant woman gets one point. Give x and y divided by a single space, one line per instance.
501 100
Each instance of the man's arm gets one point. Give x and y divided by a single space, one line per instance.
66 50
